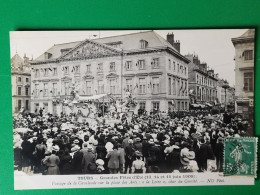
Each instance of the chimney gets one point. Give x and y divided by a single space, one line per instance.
25 59
211 72
196 60
170 38
203 65
175 44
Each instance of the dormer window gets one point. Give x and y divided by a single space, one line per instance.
47 55
143 44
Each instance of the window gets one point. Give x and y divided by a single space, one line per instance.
248 55
66 88
173 66
19 91
170 64
66 69
54 89
142 105
178 68
26 90
170 86
77 69
45 72
186 106
129 85
36 90
19 104
141 64
156 106
112 86
143 44
19 79
37 73
155 63
27 104
45 89
88 67
100 67
185 70
100 87
88 87
142 85
54 71
173 87
248 81
128 65
112 67
155 81
45 106
27 80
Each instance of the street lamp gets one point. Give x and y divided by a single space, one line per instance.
225 86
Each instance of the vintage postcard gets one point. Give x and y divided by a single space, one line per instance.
133 108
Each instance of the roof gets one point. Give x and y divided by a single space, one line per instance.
248 33
16 61
131 41
128 42
55 50
248 36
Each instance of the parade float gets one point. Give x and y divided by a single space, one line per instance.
96 109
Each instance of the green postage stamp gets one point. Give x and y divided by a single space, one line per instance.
240 156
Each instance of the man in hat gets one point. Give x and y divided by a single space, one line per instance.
125 142
88 158
129 151
76 160
219 153
113 162
138 146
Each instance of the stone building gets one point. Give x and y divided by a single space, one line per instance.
244 72
144 63
225 93
21 81
202 82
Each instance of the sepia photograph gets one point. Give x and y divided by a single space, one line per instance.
122 102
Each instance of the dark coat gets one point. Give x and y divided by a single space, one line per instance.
114 158
76 162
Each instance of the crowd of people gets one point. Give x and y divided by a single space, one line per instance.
53 145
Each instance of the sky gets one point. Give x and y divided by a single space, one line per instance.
212 46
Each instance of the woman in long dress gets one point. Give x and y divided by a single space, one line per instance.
52 163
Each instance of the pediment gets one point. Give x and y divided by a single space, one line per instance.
112 75
90 49
88 77
66 78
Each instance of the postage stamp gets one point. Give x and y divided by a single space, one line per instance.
240 156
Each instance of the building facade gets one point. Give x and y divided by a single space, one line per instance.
202 82
225 93
244 72
21 83
145 64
